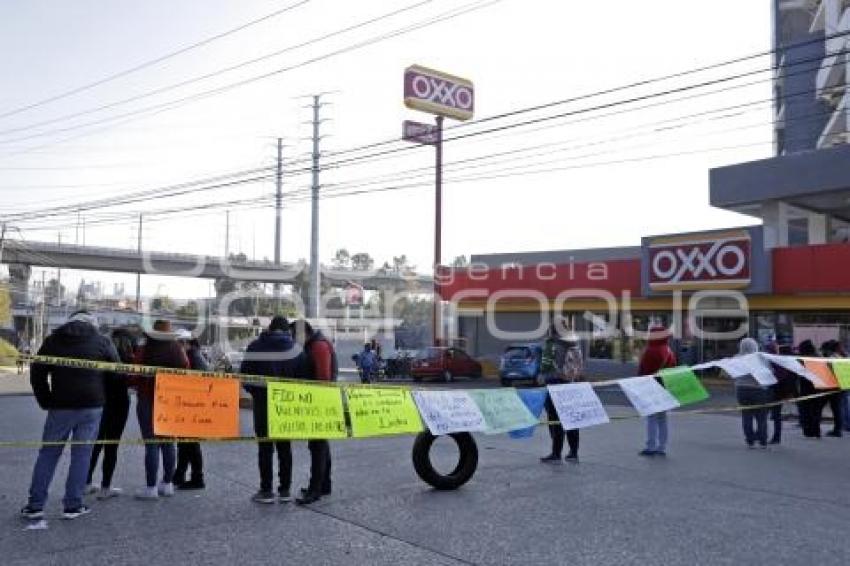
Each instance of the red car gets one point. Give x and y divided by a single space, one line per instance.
445 363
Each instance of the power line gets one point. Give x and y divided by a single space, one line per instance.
453 13
153 62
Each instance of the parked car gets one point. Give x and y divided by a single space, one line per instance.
445 363
521 362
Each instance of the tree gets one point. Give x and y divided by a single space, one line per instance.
54 292
362 262
342 259
401 265
460 261
188 310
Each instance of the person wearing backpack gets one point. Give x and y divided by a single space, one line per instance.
322 365
555 369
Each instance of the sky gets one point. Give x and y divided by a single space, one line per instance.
588 179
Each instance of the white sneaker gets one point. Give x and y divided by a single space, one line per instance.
147 493
90 489
166 489
108 493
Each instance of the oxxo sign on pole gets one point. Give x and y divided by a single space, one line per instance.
445 95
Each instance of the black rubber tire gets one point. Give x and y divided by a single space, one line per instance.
463 472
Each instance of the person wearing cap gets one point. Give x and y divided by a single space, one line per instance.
160 350
657 356
189 454
272 354
73 399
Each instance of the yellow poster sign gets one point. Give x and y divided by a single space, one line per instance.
305 412
382 411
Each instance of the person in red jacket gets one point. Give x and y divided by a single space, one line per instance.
656 357
322 366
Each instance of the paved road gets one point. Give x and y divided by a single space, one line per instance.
711 501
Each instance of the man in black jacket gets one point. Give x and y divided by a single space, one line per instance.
73 399
272 354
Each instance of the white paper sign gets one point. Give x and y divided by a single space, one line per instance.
750 364
647 395
578 405
445 412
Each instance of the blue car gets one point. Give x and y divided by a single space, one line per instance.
521 362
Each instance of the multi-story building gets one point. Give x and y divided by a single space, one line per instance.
792 270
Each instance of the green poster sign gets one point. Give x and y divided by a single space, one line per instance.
684 385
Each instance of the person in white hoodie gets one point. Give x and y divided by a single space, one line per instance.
751 393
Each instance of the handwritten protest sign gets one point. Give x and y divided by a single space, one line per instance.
684 385
503 410
754 365
196 407
534 399
303 412
824 374
445 412
382 411
842 374
646 395
578 405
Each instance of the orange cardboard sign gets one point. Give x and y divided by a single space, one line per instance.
821 369
196 407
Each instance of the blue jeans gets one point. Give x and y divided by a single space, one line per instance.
144 411
754 421
80 425
656 432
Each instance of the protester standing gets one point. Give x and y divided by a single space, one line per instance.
321 365
189 454
656 356
114 419
162 350
786 387
559 364
833 349
751 393
73 399
272 354
810 409
367 362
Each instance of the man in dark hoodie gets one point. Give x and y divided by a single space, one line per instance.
73 399
656 357
272 354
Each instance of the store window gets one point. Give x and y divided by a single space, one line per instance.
798 231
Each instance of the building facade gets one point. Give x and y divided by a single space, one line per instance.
786 278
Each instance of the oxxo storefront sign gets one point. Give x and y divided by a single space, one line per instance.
727 259
440 93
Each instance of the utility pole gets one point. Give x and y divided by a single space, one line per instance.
438 232
278 204
227 235
315 287
139 273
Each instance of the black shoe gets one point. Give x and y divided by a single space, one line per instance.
191 484
551 459
178 481
308 497
323 492
571 457
76 512
32 514
775 441
647 452
834 433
